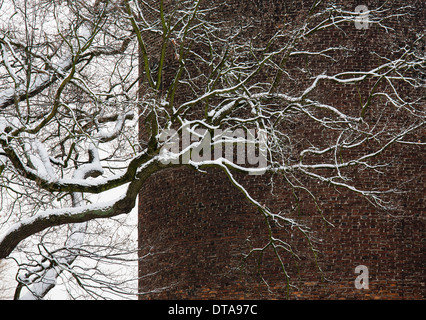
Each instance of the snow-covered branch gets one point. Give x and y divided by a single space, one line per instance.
95 96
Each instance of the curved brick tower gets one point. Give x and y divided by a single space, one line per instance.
195 228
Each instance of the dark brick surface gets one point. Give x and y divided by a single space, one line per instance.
198 227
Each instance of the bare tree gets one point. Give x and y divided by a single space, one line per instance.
4 280
69 112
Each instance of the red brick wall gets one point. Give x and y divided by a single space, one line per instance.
195 228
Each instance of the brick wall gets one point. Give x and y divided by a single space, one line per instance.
195 228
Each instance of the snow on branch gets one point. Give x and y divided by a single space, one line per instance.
105 94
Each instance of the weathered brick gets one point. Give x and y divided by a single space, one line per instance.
198 226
